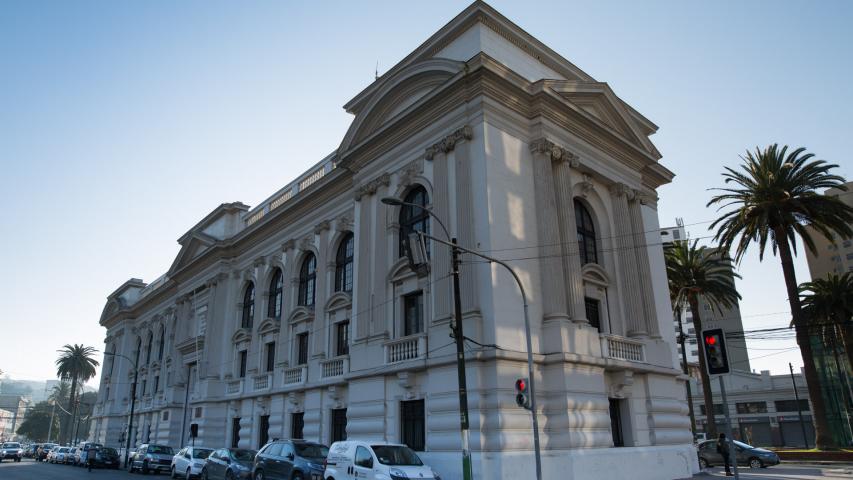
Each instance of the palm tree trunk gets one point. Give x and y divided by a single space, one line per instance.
69 422
846 329
823 438
710 423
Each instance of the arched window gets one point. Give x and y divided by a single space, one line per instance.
248 306
148 349
162 343
343 264
307 280
414 219
274 306
586 234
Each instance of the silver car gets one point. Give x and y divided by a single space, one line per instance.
151 458
11 451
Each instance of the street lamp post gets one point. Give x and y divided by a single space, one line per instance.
132 403
458 335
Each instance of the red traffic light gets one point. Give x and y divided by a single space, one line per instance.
521 385
711 340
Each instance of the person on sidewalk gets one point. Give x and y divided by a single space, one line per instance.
91 451
723 449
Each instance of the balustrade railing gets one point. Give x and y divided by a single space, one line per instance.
622 348
412 347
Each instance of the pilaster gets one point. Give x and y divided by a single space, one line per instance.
627 253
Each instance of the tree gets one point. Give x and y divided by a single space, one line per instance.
774 199
36 425
828 302
77 364
696 273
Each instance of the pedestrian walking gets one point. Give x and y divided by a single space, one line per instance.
91 451
723 449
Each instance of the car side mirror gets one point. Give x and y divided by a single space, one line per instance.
291 456
227 461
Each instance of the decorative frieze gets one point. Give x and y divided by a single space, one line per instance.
372 186
448 143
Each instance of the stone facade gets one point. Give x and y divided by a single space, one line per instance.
509 144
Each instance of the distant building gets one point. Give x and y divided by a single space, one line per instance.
17 405
763 409
832 255
5 425
729 319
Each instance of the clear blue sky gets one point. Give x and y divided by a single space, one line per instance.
124 123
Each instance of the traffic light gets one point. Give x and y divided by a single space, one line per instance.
193 430
716 358
522 395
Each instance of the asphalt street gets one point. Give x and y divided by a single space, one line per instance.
785 471
30 470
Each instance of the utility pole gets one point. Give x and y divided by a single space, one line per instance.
682 340
799 409
731 440
467 471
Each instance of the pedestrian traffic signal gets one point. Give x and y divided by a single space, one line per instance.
716 358
193 430
522 395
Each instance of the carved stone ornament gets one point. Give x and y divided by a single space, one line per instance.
260 261
409 172
620 189
321 227
372 186
645 197
586 185
556 152
306 243
344 222
448 143
288 245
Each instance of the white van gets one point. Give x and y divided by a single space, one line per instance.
353 459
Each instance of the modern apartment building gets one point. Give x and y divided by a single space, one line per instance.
300 317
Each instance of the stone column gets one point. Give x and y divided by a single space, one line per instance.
551 267
643 265
321 290
563 162
629 289
441 255
287 303
372 253
361 302
458 143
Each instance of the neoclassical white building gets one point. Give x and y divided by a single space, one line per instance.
300 318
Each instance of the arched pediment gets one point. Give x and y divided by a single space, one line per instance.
111 308
400 271
338 301
270 325
397 94
595 273
301 314
242 335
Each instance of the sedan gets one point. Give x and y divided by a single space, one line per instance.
189 462
747 455
229 464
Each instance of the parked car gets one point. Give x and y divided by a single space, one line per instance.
43 450
189 462
747 455
151 458
30 450
290 460
106 457
11 451
352 459
228 463
59 455
81 454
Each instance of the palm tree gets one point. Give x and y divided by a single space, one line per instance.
775 198
76 363
699 272
830 303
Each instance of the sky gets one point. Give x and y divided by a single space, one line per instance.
124 123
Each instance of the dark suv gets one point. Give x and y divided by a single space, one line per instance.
290 460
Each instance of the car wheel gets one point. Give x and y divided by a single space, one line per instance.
189 474
703 464
172 474
229 475
297 476
259 475
755 463
145 468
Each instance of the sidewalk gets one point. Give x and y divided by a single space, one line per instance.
786 471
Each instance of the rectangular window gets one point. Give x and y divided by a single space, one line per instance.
791 405
751 407
302 349
593 312
156 383
243 359
144 385
297 422
413 307
616 422
235 432
264 433
339 424
718 409
198 412
342 336
412 424
165 415
270 357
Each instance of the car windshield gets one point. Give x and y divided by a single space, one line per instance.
396 455
109 451
309 450
201 453
11 445
163 450
243 455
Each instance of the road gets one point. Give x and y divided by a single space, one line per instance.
30 470
785 471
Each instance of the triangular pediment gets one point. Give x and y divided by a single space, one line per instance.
194 245
598 101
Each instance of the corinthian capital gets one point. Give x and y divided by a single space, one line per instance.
449 142
557 153
621 190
